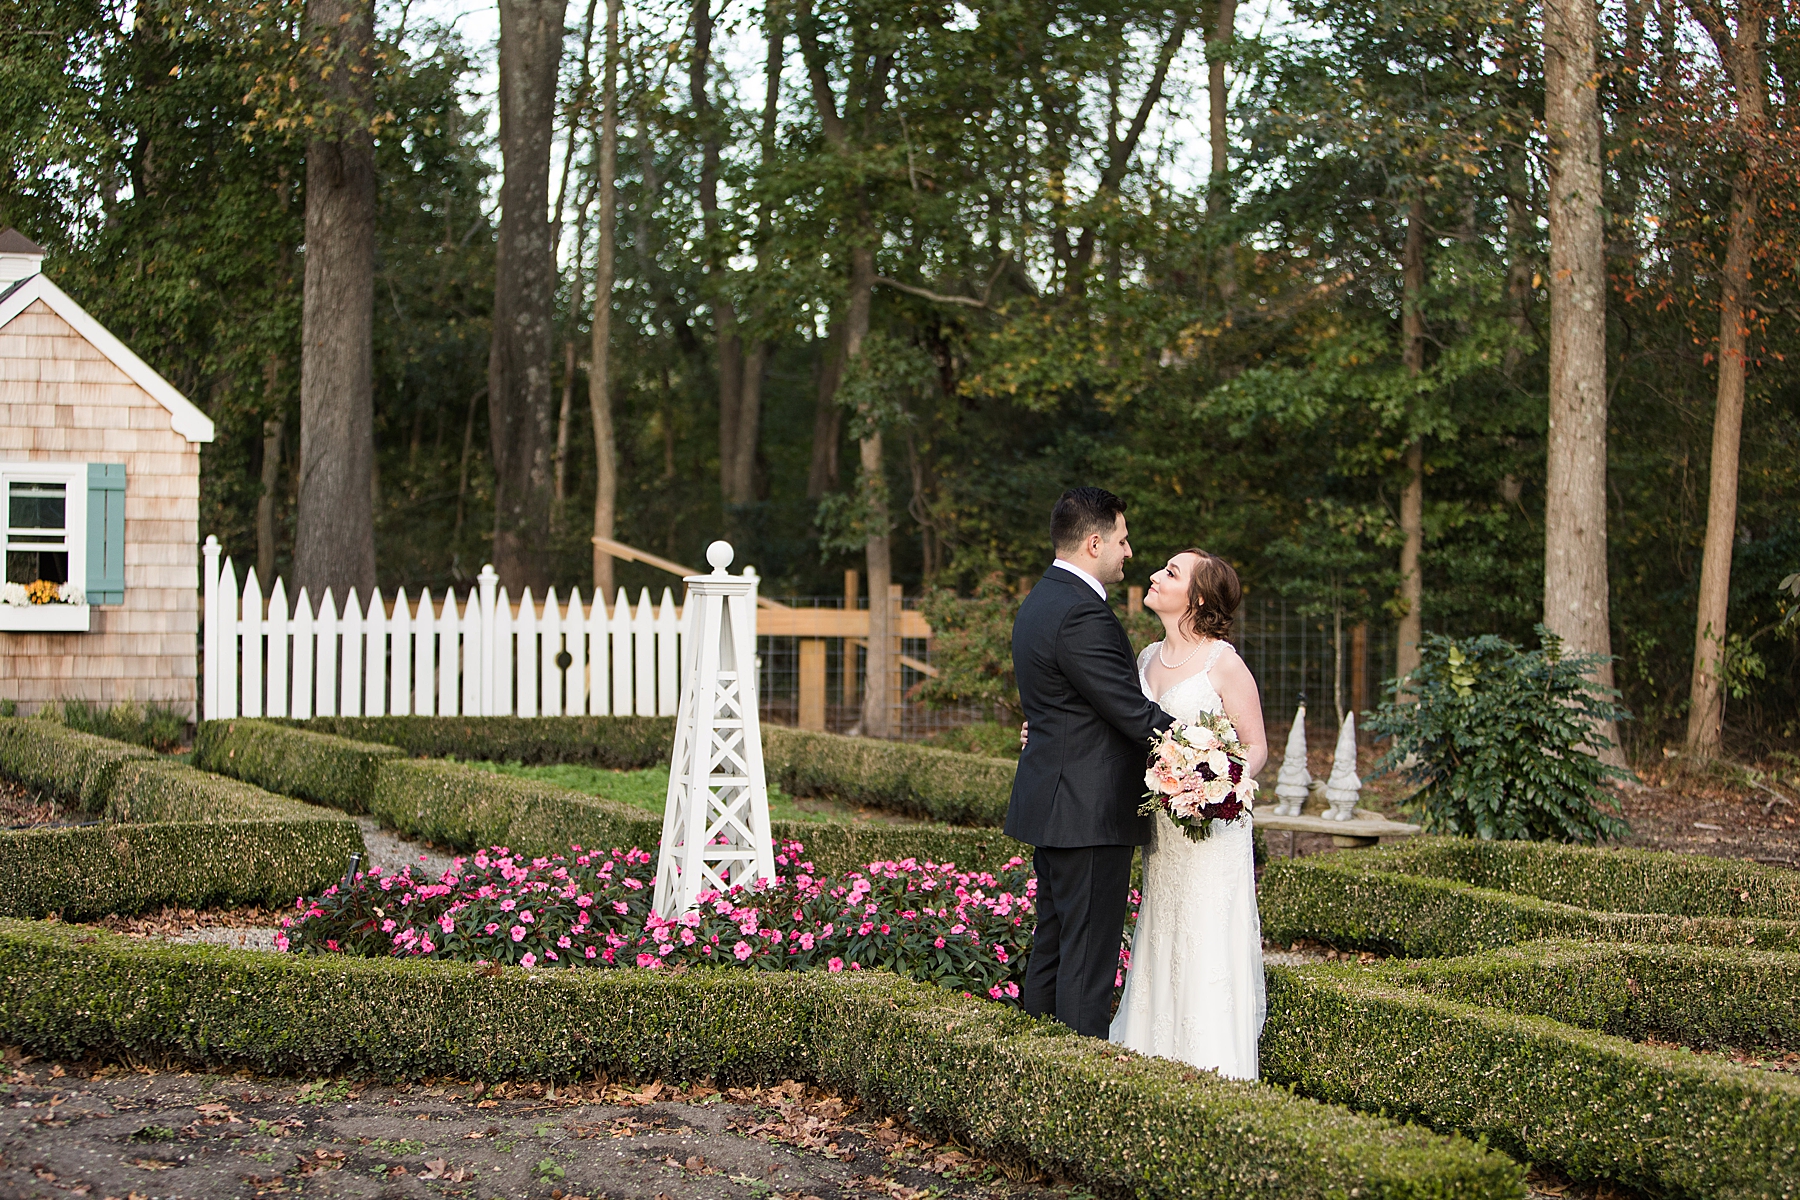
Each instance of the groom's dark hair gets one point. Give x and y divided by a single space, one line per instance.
1080 513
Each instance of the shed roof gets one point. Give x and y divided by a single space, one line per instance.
184 418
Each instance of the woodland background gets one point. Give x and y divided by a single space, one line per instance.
1083 270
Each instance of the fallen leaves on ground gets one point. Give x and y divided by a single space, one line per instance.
437 1168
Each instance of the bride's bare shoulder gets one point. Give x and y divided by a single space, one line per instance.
1230 665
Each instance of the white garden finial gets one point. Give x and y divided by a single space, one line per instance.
716 820
1292 785
1345 785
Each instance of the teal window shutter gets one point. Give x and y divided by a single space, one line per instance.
106 533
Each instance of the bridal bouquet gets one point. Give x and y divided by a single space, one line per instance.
1197 775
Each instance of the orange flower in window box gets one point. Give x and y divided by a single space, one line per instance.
43 591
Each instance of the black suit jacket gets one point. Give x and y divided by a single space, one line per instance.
1081 776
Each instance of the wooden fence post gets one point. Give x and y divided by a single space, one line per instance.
812 683
852 672
896 693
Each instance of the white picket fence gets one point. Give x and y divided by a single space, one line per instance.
484 657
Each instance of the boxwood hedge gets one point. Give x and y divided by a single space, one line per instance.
1692 995
961 789
466 808
982 1072
170 834
320 767
1336 900
940 785
618 743
1607 880
76 768
1662 1120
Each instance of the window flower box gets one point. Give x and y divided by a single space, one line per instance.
44 618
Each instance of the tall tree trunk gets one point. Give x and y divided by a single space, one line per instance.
828 418
606 451
564 411
866 96
1742 56
738 437
1412 499
521 404
1218 185
726 343
877 717
265 503
334 535
1575 577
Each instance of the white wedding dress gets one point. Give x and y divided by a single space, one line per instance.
1194 991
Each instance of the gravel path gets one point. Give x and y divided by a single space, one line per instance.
167 1136
390 851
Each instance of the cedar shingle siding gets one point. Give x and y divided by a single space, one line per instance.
62 400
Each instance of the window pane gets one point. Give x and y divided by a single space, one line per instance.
37 506
31 566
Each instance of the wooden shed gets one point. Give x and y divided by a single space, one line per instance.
99 506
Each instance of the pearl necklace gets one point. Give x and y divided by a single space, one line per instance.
1169 666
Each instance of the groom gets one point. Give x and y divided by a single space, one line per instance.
1081 774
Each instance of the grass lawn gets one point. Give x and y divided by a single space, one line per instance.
648 789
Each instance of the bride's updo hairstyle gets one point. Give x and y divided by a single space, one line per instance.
1214 594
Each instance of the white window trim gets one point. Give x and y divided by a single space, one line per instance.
50 618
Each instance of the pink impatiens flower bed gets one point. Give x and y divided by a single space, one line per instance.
965 930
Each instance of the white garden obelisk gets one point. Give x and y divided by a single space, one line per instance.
1344 787
716 822
1295 781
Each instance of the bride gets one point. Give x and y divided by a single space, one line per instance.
1194 990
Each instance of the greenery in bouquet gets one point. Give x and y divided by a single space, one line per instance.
965 930
1503 742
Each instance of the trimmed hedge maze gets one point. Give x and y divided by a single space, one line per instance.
981 1072
467 808
1550 992
163 833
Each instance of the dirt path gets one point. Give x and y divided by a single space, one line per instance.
121 1135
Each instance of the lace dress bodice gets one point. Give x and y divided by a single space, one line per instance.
1195 988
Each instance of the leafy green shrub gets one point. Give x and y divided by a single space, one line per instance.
620 743
981 1072
175 835
463 807
972 649
1502 741
150 791
1347 905
76 768
314 766
1663 1121
83 873
963 789
1692 995
991 739
159 727
1609 880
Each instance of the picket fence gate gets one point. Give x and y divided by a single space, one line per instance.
484 657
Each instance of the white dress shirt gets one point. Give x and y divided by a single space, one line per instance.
1099 588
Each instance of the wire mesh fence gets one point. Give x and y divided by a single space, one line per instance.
1330 665
1336 667
846 661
